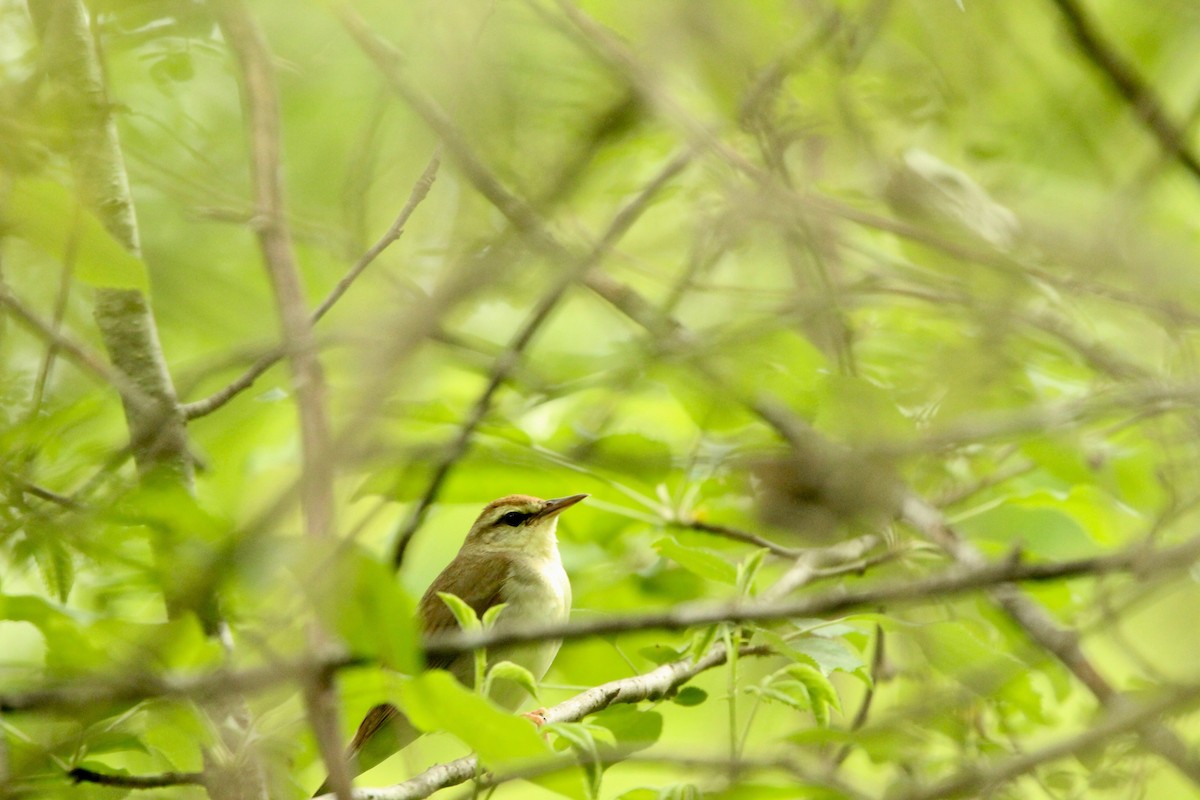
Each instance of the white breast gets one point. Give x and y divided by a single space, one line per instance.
538 594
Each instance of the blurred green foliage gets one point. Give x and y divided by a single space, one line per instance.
929 231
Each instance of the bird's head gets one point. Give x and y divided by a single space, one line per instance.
519 522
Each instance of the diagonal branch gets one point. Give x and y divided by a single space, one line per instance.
1124 77
506 361
200 408
652 685
1040 627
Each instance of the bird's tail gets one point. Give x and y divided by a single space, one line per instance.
384 731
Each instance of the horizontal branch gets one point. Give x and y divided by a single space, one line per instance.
159 781
649 686
975 781
200 408
954 581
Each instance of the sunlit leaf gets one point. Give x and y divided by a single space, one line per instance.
701 562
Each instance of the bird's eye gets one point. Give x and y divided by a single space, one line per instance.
513 518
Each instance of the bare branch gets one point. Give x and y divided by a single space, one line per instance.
649 686
200 408
260 101
738 535
506 361
81 775
1061 642
1123 77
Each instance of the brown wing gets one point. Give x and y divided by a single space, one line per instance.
384 731
477 579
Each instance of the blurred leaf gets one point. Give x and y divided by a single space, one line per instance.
701 562
359 598
631 727
54 561
434 700
854 410
631 454
49 217
690 696
702 640
747 571
507 670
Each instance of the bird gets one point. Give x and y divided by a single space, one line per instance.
510 556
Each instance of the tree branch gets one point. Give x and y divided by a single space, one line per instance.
507 360
652 685
81 775
158 437
260 101
1124 77
420 190
958 580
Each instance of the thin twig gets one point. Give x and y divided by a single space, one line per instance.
506 361
200 408
260 101
159 781
738 535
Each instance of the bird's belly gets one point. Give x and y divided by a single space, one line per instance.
535 598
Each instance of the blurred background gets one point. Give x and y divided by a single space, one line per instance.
952 243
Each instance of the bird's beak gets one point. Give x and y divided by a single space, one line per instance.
558 504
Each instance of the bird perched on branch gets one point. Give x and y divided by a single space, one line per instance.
510 556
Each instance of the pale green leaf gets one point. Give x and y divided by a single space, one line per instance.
50 218
463 613
696 560
507 670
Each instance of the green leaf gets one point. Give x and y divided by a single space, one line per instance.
361 600
698 561
747 571
821 692
54 562
583 743
434 700
112 742
632 728
661 654
690 696
489 616
507 670
50 218
827 654
463 613
702 641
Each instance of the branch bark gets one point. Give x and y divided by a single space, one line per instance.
260 101
652 685
158 436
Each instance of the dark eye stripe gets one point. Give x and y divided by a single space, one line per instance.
513 518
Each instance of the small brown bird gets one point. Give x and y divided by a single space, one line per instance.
510 556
